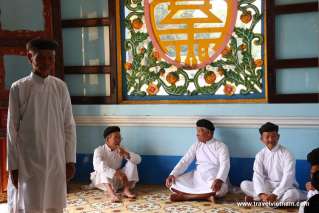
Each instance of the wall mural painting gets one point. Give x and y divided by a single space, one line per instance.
193 50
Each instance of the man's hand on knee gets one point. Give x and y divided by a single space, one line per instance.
121 176
272 198
217 185
169 181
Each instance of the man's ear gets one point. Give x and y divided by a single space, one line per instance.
29 55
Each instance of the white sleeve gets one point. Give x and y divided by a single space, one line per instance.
258 176
312 193
100 165
135 158
186 160
13 123
224 163
288 177
69 129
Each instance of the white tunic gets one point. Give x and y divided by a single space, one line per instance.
274 169
106 162
212 162
41 140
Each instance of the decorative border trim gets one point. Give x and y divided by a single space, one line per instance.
189 121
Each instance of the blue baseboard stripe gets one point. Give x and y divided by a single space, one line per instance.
154 169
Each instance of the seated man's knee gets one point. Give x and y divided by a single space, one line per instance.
245 185
223 191
291 195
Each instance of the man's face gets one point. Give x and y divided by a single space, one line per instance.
42 61
114 139
313 169
203 134
270 139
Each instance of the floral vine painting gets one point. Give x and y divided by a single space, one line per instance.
177 67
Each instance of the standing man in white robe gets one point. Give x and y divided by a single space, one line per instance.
41 136
274 171
209 179
108 174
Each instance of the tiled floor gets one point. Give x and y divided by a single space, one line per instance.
155 199
151 199
3 208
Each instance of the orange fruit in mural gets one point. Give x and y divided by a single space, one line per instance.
172 77
137 23
258 62
190 34
246 17
210 77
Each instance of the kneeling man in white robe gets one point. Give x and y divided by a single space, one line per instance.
107 162
209 179
274 171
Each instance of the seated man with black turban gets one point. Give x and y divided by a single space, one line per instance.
107 162
313 202
274 171
209 179
313 159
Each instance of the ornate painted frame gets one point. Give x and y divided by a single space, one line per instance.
228 54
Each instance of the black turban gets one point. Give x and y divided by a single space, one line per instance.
268 127
42 44
206 124
110 130
313 157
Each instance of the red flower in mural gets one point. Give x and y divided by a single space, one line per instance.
258 62
210 77
229 89
172 77
137 23
246 17
152 89
128 66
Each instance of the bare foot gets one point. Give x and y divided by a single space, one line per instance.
211 199
176 197
249 198
129 194
115 198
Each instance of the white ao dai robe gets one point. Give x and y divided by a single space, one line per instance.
41 140
106 162
274 173
212 162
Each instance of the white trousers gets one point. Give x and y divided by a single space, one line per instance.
13 207
221 193
291 195
99 180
